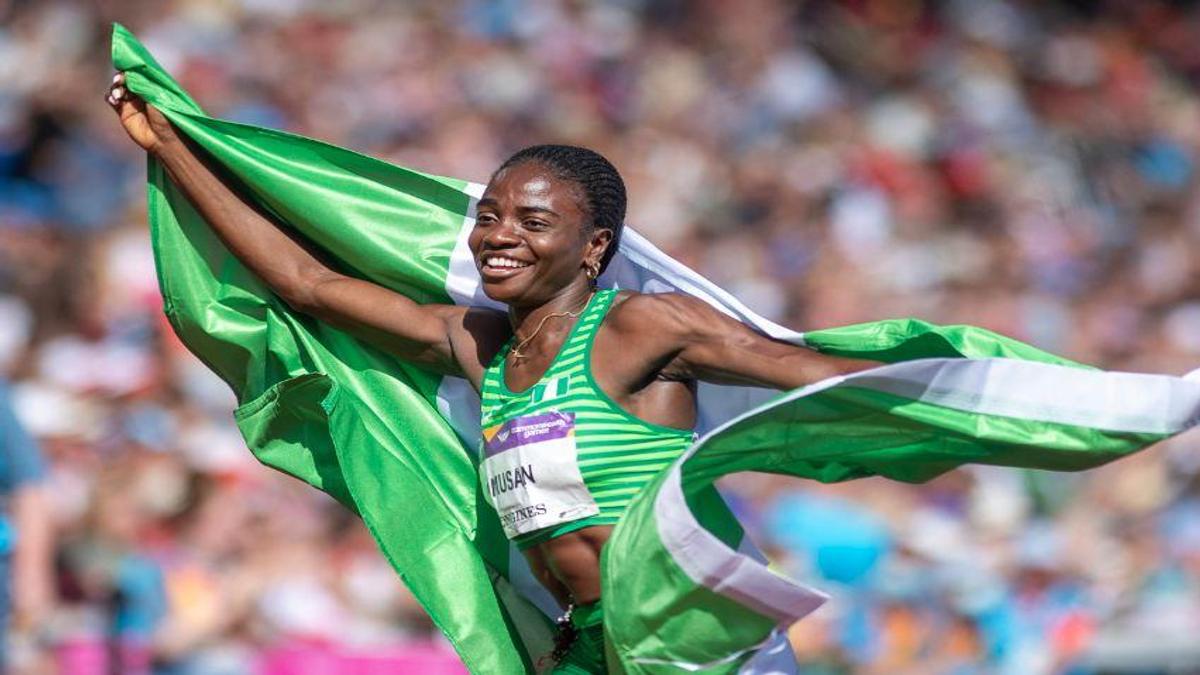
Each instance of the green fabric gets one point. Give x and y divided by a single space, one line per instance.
383 437
317 403
843 432
895 340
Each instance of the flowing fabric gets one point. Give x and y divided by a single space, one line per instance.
684 588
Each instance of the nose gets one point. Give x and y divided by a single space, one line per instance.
501 235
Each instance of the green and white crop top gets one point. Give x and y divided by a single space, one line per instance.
562 455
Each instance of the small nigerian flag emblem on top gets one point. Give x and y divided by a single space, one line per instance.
549 390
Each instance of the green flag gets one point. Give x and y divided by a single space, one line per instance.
683 587
317 403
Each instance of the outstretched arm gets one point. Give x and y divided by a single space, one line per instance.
698 342
429 334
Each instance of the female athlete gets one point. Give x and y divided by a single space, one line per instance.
586 393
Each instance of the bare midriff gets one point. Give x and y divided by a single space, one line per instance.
569 565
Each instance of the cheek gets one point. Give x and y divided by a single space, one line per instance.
548 248
474 239
559 257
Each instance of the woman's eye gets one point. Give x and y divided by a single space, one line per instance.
536 224
485 218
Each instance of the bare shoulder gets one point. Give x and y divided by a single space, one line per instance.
662 317
484 326
486 322
670 312
476 336
657 329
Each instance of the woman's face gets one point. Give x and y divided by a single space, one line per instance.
531 238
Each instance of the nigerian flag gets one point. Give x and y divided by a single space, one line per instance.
684 590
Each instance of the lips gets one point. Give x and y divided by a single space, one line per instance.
497 266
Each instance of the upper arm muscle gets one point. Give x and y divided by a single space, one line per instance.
436 335
704 344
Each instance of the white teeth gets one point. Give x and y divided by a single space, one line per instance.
505 262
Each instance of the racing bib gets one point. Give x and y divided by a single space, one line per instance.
531 473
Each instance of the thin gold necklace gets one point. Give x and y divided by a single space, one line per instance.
516 351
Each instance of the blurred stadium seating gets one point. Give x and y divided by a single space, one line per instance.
1025 166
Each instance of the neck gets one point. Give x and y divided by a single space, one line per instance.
525 318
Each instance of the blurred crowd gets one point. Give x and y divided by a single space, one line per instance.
1025 166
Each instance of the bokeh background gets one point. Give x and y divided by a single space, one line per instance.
1025 166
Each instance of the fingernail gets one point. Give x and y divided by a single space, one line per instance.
118 92
116 77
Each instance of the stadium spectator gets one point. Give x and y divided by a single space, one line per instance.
26 537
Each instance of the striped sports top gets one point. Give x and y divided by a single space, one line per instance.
616 453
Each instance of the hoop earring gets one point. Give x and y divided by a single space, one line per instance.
593 271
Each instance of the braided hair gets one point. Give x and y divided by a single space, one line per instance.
603 189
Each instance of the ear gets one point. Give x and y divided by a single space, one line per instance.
598 243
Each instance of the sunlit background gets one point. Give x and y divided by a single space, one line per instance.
1029 167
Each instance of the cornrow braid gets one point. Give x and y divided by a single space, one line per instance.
601 183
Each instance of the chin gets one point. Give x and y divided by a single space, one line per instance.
503 291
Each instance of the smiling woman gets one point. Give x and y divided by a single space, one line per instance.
586 394
552 198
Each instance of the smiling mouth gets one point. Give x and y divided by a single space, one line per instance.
500 266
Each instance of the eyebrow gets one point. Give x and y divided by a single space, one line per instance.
536 209
489 201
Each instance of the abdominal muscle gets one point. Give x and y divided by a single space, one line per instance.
569 565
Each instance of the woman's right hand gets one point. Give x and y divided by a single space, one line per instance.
148 127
